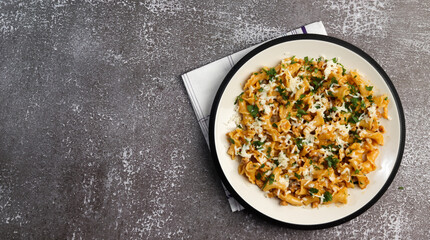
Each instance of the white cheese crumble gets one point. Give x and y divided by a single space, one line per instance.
372 111
243 152
319 105
338 111
264 98
294 83
236 118
342 129
283 160
308 172
262 159
284 181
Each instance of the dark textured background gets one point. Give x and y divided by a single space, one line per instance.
98 138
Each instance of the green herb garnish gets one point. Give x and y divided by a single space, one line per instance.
332 161
300 113
268 153
299 143
333 81
313 191
253 110
292 60
271 178
257 144
239 98
282 92
258 176
271 72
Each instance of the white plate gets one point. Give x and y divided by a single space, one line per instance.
270 54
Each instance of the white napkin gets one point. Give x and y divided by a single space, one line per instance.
202 85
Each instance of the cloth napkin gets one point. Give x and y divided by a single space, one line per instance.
202 84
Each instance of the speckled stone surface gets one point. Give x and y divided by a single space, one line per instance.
98 139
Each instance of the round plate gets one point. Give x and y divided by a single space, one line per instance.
270 54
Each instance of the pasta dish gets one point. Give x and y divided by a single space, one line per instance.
307 130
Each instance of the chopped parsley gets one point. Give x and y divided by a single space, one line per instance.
299 143
298 103
297 176
356 136
300 113
332 161
268 153
354 102
307 60
333 81
401 188
271 178
302 96
313 191
231 140
271 72
282 92
352 89
316 83
292 60
258 176
354 118
253 110
369 88
327 197
274 125
362 104
239 98
258 144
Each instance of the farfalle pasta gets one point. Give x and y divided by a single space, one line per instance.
308 130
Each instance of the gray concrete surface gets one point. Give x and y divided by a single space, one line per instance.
98 139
